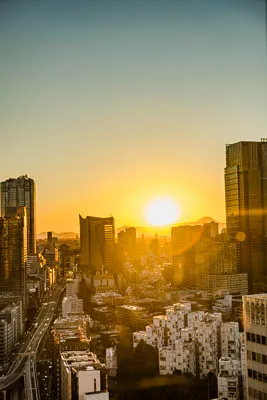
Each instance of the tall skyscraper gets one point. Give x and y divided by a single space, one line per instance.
246 207
20 192
97 243
13 252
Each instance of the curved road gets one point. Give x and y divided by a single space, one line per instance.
25 362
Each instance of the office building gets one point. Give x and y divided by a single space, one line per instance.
127 242
13 253
255 331
232 283
20 192
246 206
97 237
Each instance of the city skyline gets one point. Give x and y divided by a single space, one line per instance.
128 103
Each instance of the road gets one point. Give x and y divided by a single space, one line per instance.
25 362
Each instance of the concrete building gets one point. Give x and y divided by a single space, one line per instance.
13 313
111 361
255 331
223 305
181 356
187 341
230 340
243 359
72 286
229 379
20 192
71 305
208 343
103 282
80 376
5 340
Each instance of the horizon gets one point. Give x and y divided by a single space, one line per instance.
150 229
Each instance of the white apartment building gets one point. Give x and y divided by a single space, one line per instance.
255 330
208 342
187 341
230 340
181 356
138 336
229 379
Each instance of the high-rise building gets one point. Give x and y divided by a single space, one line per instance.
20 192
13 252
127 241
246 208
97 237
255 331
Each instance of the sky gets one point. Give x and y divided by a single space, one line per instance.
110 104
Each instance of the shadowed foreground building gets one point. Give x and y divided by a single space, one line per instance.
246 207
13 253
97 237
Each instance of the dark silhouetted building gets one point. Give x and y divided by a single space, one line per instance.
13 252
127 241
97 237
246 206
20 192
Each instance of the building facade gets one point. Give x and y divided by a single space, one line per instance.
13 253
255 331
246 208
97 238
20 192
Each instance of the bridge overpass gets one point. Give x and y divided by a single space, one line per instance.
24 364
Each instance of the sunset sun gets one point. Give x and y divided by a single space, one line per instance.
162 211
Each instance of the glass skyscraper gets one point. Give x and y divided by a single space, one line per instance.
246 207
20 192
97 237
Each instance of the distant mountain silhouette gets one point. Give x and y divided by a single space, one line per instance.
150 231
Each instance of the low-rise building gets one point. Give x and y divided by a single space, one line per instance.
80 376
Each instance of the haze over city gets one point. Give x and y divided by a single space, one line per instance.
109 105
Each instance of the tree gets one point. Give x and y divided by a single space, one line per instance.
145 362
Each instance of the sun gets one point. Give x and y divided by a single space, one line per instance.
162 211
